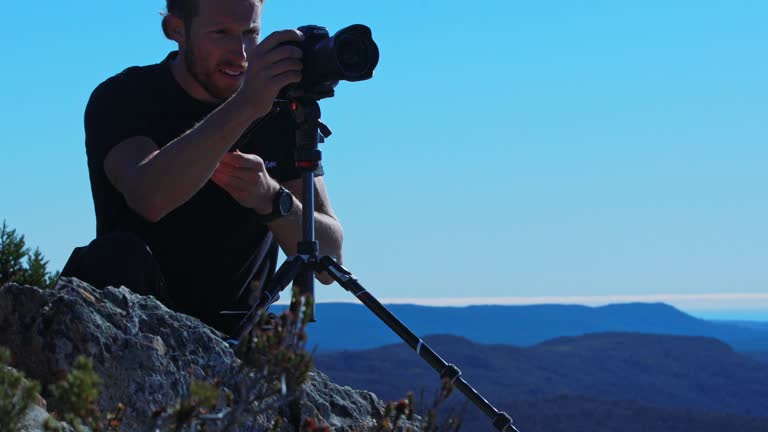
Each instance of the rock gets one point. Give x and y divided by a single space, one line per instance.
33 419
145 353
342 407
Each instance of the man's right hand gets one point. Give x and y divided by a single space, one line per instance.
272 64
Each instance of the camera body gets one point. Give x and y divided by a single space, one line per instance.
349 55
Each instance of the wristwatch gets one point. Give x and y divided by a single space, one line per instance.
282 204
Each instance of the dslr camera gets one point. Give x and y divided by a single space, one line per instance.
349 55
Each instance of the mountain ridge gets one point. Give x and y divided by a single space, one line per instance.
671 372
343 326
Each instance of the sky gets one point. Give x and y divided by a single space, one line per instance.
505 152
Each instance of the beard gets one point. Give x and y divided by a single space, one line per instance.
205 78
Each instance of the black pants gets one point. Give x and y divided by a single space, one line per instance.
123 259
118 259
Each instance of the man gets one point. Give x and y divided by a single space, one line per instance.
180 214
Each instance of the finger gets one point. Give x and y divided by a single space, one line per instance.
285 65
245 174
324 278
235 186
295 92
289 77
279 37
228 160
282 52
219 180
243 160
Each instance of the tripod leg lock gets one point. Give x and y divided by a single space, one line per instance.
451 372
503 423
311 248
337 270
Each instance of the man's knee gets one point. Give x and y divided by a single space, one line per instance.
117 259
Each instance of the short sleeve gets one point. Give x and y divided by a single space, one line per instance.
113 114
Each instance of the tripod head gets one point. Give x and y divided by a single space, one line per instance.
305 111
310 132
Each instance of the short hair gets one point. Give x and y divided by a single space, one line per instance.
184 9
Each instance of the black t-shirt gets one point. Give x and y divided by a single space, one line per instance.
210 247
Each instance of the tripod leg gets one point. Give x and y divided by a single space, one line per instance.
282 277
501 420
285 275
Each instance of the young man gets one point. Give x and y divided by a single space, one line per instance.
186 209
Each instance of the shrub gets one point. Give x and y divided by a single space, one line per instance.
16 393
13 268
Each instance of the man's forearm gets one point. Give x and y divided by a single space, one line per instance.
174 173
328 232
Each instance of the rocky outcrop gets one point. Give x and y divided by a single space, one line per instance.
145 353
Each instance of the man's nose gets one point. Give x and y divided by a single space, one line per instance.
238 49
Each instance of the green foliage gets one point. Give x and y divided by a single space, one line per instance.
395 413
13 250
16 394
203 394
20 265
78 395
276 346
203 397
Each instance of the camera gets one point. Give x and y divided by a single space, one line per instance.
349 55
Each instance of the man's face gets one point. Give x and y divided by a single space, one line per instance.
216 44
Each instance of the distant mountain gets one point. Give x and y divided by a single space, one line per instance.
760 325
342 326
670 372
577 413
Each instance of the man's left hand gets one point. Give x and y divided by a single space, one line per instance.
245 178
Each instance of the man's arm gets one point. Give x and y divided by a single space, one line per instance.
155 181
328 229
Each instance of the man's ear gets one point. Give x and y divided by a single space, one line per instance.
173 27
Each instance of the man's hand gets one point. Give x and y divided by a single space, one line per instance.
272 64
245 178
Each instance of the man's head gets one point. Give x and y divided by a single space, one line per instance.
213 38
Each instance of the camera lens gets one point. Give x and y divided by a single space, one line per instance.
356 53
349 55
353 56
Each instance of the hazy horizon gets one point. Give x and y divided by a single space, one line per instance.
706 306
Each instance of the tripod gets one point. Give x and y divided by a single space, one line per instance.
303 266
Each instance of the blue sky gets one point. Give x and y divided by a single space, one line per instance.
505 151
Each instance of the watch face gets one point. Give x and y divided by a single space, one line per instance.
286 202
